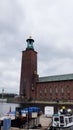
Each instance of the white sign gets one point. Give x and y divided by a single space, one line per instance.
49 111
34 114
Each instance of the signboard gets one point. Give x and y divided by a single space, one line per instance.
24 115
49 111
34 115
18 112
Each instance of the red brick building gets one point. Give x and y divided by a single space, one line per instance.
50 88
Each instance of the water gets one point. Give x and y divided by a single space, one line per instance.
5 107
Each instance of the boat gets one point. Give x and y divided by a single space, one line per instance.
21 115
24 112
3 100
62 120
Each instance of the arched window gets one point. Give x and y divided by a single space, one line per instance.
45 91
50 91
68 89
62 93
40 93
62 90
56 90
68 92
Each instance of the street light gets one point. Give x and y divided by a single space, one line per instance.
2 94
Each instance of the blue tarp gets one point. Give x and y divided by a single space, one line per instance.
32 109
26 110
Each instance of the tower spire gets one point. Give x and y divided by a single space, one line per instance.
30 42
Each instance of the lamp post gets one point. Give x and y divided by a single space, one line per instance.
2 94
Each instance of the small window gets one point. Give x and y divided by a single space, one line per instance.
56 119
66 120
70 119
61 119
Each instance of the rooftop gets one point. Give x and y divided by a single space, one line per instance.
64 77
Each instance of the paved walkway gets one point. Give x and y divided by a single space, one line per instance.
45 121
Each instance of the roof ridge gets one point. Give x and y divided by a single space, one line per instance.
56 78
56 75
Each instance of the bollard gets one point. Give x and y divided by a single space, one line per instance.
6 124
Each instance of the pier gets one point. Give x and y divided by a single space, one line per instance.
43 120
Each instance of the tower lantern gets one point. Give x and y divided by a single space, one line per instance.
30 42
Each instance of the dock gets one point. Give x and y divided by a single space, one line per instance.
43 120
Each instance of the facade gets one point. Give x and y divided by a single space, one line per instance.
50 88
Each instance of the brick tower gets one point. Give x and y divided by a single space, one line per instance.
28 71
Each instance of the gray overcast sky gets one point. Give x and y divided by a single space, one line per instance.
50 22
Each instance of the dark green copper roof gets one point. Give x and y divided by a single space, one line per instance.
30 42
64 77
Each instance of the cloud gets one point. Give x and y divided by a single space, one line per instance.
51 25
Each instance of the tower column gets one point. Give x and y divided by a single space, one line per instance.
28 67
